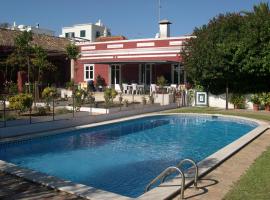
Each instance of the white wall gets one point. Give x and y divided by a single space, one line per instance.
219 101
90 31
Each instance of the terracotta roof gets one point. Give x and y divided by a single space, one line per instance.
49 43
110 38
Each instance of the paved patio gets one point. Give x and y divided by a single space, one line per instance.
12 187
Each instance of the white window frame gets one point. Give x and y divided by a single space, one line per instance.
84 72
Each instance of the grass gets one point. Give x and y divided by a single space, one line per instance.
260 115
255 183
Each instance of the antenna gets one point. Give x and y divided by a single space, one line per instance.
159 8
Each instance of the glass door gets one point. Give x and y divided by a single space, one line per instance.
177 74
115 74
146 74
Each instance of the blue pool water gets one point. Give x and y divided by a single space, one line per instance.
123 157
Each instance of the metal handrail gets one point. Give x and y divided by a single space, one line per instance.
179 165
166 172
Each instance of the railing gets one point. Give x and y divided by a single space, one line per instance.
170 170
179 165
167 172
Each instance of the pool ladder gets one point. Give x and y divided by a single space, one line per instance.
168 171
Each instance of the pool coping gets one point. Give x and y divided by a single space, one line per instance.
163 191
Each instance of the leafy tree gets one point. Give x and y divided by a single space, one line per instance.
23 50
73 53
256 40
232 52
40 63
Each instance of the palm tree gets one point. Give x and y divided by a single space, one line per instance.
73 54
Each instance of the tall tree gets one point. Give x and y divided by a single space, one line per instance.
40 63
232 52
73 54
22 53
210 57
256 38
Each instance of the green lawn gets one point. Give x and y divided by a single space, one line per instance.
261 115
255 183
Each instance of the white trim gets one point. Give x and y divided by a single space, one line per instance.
137 40
148 56
129 53
114 46
88 48
175 43
146 44
99 57
133 51
84 72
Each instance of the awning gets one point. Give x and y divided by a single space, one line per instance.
135 62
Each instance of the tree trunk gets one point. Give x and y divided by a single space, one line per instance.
227 95
72 63
28 74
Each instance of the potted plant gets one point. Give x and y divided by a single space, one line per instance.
109 95
256 100
238 101
48 94
100 83
265 100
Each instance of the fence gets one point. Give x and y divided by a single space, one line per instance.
57 108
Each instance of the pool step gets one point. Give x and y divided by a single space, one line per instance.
170 170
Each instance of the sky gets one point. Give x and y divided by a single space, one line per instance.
131 18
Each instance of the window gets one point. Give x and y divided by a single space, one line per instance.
72 34
88 72
66 35
97 34
82 33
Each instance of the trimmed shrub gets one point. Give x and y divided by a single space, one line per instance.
21 102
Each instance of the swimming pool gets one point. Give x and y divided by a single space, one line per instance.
123 157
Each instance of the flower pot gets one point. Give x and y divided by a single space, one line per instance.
267 107
255 107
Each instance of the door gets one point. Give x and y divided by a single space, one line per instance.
177 74
115 74
145 74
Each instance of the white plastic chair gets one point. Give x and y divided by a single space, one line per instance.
173 87
153 89
125 88
134 88
117 88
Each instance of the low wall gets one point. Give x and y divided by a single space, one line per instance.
66 123
219 101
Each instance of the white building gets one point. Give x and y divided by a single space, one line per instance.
34 29
85 32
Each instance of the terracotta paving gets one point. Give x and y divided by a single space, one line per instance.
14 188
216 184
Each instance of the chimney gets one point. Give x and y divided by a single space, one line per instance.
164 28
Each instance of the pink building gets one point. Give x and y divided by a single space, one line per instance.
139 60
